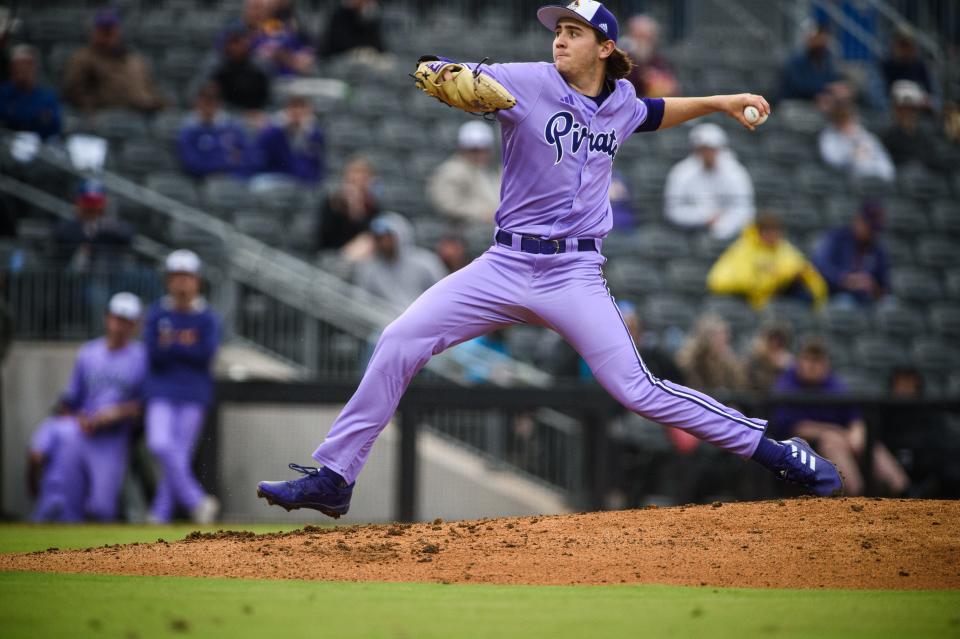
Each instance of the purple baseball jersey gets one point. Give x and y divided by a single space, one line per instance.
102 377
558 150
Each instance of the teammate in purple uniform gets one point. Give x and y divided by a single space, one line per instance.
182 334
84 450
544 268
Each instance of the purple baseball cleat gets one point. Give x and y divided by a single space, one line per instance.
320 489
800 465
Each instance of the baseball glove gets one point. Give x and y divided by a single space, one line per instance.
469 90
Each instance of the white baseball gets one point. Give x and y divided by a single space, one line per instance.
752 115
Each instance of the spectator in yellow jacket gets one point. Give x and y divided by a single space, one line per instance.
762 263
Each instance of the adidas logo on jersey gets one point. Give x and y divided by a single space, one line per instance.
567 99
562 124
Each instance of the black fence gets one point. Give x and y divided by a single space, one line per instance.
937 422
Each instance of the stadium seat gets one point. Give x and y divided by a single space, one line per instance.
119 126
917 181
899 322
877 353
633 277
899 250
872 187
914 284
813 180
665 310
797 314
225 195
803 215
945 216
259 226
935 355
953 284
180 64
428 230
140 157
800 116
734 310
160 29
687 276
659 243
301 233
279 199
904 217
937 252
839 210
844 322
175 186
166 126
945 321
859 382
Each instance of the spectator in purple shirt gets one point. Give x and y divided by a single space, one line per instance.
292 146
210 142
836 431
25 105
853 261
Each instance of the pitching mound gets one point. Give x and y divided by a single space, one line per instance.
802 543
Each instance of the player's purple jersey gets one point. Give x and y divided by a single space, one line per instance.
558 150
102 377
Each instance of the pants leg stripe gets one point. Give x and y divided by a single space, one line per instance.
678 393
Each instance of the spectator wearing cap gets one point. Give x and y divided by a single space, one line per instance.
78 458
291 147
92 240
710 188
242 83
398 271
210 142
276 44
908 140
836 431
853 260
346 212
107 74
846 145
25 105
762 264
466 187
811 75
356 25
182 334
905 63
652 75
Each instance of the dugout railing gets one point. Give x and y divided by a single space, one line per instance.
585 459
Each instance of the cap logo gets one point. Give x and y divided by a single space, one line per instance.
603 26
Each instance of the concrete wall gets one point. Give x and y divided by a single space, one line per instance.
256 442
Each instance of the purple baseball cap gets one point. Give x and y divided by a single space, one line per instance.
593 13
105 18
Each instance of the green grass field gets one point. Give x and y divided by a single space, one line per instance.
48 605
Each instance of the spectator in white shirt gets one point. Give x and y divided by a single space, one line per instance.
710 188
466 187
846 145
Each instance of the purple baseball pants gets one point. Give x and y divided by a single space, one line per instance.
565 292
172 431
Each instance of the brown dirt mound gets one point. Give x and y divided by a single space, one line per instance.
801 543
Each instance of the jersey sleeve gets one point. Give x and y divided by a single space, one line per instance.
524 80
647 114
73 394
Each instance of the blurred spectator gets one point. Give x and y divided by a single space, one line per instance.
624 218
769 356
811 74
399 271
82 454
277 45
242 84
853 260
182 334
907 139
920 438
709 188
107 74
762 264
846 145
707 358
292 146
452 251
354 25
466 186
91 241
25 106
346 212
905 63
836 431
210 142
652 75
